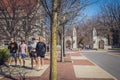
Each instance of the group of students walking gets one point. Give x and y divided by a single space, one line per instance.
36 53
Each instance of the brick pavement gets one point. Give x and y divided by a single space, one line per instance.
66 69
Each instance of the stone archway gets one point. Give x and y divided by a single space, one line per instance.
68 44
71 40
101 44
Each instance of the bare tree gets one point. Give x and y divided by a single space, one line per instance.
68 12
9 17
51 7
18 18
106 23
110 18
29 21
84 31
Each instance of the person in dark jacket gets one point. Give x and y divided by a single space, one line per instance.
13 47
41 50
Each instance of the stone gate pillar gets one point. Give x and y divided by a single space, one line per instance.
74 40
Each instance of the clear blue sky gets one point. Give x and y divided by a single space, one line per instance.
94 8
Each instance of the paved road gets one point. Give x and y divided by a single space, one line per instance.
108 61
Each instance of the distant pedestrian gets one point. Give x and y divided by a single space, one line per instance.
48 48
33 53
41 50
22 53
13 47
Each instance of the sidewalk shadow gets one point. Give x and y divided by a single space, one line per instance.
13 72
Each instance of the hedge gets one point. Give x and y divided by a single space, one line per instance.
3 56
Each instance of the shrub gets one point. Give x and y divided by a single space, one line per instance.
3 55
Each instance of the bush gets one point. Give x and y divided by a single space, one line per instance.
3 56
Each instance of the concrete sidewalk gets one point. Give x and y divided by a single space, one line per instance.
87 51
84 68
75 67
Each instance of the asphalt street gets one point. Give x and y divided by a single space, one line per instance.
110 62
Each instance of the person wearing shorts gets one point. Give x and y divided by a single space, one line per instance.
41 50
33 53
22 53
13 47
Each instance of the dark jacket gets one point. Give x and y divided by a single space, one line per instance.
41 48
13 47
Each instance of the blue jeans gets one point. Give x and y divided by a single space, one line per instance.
22 55
14 55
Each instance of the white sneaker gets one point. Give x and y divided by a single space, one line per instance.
8 65
38 68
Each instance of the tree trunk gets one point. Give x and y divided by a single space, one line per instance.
64 41
53 58
26 39
62 50
62 44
